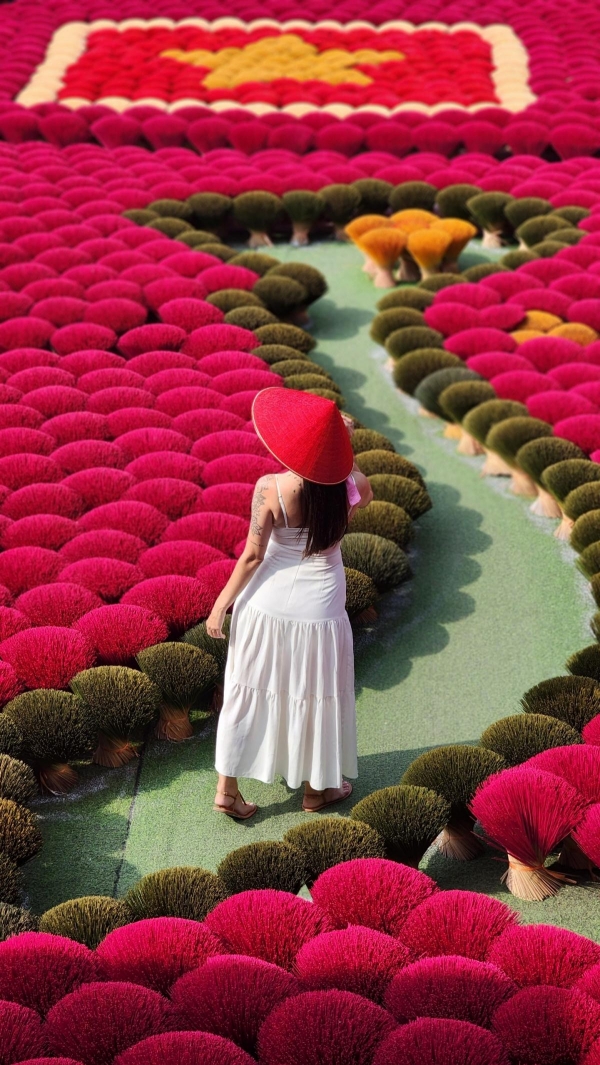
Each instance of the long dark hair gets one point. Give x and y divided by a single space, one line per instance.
324 515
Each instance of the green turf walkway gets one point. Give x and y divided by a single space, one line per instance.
495 606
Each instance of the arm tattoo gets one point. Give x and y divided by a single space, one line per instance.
258 502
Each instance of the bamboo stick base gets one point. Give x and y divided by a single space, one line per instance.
532 884
260 240
457 841
521 484
300 235
545 506
57 778
383 278
174 724
409 271
491 239
113 752
572 857
563 531
339 233
494 466
453 431
468 445
365 617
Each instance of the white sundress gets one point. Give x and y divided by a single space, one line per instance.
288 704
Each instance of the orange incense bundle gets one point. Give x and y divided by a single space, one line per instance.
364 223
577 331
428 248
460 233
361 225
383 246
541 321
413 219
523 335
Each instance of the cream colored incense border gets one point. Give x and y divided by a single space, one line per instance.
510 74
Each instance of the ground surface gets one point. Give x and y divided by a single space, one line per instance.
495 606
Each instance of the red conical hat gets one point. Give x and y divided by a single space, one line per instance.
305 433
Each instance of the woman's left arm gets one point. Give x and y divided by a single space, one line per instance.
261 525
364 487
361 483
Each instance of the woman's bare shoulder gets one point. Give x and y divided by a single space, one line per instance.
265 485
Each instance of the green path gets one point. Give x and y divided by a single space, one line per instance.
494 607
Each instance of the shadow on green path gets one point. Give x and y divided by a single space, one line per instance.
495 605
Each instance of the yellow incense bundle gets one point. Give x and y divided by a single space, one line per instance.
412 219
428 248
581 334
361 225
364 223
383 247
460 233
542 321
521 335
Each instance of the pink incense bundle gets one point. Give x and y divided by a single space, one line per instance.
590 984
449 986
430 1040
587 834
373 892
268 924
351 959
553 1025
155 952
470 294
183 1048
231 995
527 812
580 766
50 1061
21 1032
98 1021
455 922
544 954
591 732
38 969
323 1026
593 1058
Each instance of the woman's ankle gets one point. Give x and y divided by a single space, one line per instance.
227 785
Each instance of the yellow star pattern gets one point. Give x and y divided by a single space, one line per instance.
285 56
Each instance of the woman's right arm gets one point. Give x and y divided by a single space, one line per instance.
261 524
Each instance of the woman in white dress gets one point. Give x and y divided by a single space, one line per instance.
288 705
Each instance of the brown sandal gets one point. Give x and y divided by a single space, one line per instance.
230 810
331 802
